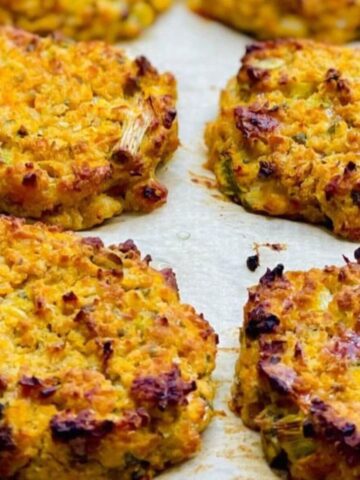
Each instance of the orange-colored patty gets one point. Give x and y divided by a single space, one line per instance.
83 130
287 138
104 373
108 20
333 21
298 374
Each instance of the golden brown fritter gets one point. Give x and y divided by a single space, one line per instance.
104 374
82 130
334 21
287 139
298 375
108 20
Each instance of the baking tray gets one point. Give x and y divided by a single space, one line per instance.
207 239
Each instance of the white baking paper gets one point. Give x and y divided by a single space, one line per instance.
207 240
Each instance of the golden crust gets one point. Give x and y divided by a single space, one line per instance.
334 21
103 372
298 375
287 139
108 20
83 129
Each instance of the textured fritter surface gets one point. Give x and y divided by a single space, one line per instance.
298 375
104 374
83 19
287 139
82 130
335 21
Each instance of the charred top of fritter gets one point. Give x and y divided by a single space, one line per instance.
278 87
83 129
98 359
301 352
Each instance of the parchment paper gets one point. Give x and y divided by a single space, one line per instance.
207 240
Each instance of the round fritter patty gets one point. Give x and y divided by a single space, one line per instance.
298 375
83 19
287 139
335 21
82 130
104 374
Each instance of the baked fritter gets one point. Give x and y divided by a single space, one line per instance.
83 129
104 374
287 139
108 20
298 375
335 21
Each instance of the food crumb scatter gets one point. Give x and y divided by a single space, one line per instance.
253 262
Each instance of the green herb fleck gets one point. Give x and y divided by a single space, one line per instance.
300 138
